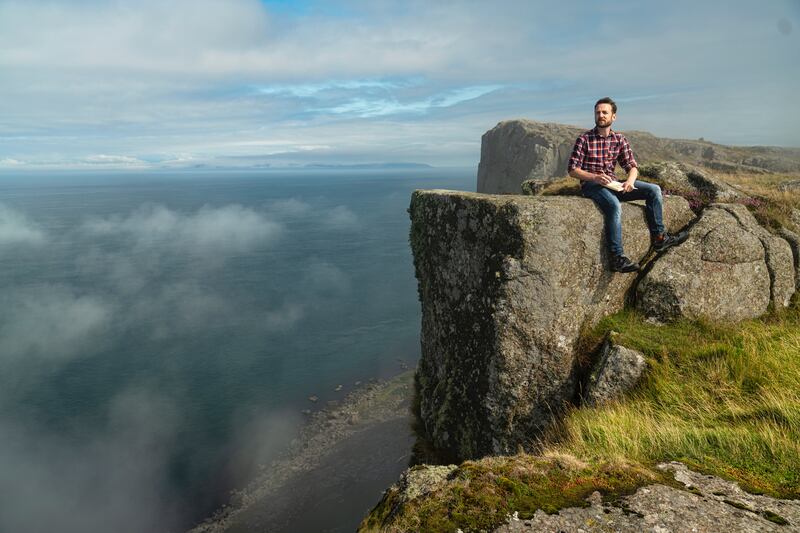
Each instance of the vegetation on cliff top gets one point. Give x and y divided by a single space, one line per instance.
724 399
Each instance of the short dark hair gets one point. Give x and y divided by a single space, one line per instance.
607 100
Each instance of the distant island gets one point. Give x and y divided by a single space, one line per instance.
369 166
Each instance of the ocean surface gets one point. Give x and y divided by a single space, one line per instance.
161 334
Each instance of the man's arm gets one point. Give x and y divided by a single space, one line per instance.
575 161
585 175
627 161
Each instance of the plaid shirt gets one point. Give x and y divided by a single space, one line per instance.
597 154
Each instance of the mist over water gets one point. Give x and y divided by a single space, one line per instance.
160 334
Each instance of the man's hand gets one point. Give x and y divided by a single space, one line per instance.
628 185
602 179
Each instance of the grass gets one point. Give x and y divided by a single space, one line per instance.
480 495
724 399
771 207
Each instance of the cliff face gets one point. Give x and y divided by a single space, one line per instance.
519 150
507 283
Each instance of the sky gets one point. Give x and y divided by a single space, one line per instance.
147 84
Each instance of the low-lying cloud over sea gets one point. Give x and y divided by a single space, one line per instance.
159 337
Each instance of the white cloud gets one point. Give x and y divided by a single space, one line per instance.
112 480
114 160
16 229
211 79
324 279
284 317
341 217
51 322
363 107
210 230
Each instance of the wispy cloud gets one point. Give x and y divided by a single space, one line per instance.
17 229
365 108
113 479
51 322
213 80
210 230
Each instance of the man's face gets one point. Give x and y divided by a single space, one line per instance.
604 116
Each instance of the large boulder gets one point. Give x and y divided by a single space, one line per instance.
777 255
794 243
506 284
729 269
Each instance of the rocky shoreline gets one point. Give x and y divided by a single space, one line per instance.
334 472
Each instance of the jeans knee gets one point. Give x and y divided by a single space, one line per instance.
655 192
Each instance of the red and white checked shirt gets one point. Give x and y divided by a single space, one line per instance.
597 154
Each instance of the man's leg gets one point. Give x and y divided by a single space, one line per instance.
651 194
612 213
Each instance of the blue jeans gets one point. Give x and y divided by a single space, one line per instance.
609 203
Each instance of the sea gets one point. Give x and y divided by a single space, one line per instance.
165 334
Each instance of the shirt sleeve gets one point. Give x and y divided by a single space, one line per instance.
578 153
625 157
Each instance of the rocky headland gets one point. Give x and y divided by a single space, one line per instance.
513 285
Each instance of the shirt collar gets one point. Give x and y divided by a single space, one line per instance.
611 133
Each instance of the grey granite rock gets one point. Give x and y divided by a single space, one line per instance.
777 254
791 185
794 243
533 187
518 150
719 273
709 505
684 177
506 285
617 371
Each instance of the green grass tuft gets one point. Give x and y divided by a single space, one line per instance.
725 399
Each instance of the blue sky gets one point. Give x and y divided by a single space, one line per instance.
154 84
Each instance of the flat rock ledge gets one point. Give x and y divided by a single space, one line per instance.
707 505
507 284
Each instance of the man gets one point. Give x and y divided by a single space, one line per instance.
593 159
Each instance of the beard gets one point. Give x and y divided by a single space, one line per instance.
601 122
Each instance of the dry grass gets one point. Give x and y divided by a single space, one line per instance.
724 399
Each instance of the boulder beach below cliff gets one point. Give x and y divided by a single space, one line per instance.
334 472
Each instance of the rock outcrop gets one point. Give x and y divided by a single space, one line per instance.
794 243
506 284
518 150
689 501
729 269
709 503
683 177
720 272
616 372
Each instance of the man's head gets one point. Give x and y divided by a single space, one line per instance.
605 112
